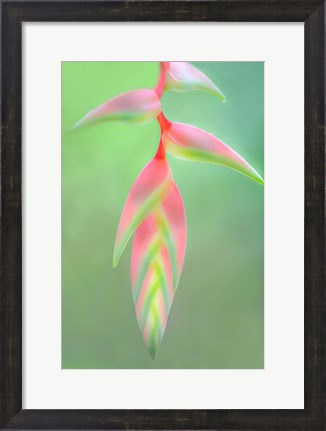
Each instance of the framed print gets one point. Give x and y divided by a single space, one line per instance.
162 215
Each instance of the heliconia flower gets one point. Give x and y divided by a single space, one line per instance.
182 76
151 188
137 107
190 143
156 264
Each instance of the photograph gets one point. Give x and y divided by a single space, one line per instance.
162 215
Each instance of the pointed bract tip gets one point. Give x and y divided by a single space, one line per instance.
218 93
76 126
251 173
254 175
223 98
116 259
151 352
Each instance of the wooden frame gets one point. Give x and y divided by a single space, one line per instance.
13 13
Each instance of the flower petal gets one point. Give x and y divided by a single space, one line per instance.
190 143
158 247
183 76
138 106
150 189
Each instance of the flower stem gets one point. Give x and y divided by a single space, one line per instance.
160 153
163 121
161 80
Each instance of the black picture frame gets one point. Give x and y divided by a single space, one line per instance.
13 14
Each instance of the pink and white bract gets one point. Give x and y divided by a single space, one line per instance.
154 211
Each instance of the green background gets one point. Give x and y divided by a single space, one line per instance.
217 317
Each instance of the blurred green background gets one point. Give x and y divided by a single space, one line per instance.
217 318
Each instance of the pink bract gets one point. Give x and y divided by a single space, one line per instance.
182 76
156 264
138 106
151 187
190 143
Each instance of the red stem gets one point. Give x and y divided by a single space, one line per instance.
163 121
160 153
161 80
